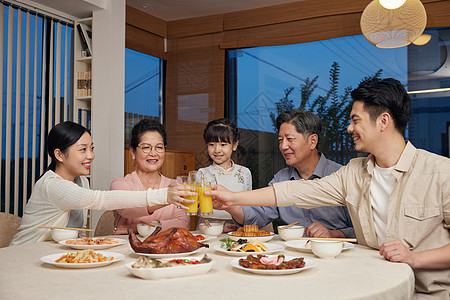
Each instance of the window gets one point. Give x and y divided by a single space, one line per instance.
323 72
143 89
35 87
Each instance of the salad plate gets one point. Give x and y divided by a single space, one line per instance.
94 247
171 272
272 248
51 259
301 245
166 255
249 238
309 263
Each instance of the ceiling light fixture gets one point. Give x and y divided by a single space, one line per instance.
429 91
393 28
422 39
392 4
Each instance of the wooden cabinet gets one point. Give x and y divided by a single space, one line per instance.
175 163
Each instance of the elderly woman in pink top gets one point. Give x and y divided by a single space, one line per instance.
148 145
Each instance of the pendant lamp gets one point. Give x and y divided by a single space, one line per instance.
393 28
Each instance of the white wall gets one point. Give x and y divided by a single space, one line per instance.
107 107
108 77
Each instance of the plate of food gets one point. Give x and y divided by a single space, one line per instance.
251 232
151 268
305 245
244 247
162 255
203 237
93 243
273 264
82 259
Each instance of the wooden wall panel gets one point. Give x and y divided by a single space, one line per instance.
146 22
194 91
144 41
195 26
438 13
289 12
293 32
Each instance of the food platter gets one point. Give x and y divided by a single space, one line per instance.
172 272
272 248
167 255
94 247
50 259
259 238
300 245
309 263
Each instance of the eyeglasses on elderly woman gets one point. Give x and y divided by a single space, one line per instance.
147 148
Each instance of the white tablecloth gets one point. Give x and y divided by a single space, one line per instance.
358 273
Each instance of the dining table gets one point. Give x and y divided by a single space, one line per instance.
356 273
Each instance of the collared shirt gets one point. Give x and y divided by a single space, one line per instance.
418 212
332 217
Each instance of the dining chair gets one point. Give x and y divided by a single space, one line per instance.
105 225
8 228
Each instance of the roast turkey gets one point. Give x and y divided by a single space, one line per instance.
173 240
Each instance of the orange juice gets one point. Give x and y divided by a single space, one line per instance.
192 207
206 206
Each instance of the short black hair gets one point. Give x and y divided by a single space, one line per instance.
144 126
385 95
305 122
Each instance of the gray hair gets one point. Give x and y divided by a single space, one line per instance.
305 122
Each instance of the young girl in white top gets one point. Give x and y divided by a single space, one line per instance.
222 139
62 192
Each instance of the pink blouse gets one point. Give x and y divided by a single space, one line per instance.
169 216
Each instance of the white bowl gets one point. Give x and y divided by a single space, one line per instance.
215 229
145 230
64 234
291 233
326 249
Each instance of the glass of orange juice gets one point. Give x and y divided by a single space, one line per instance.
206 206
192 207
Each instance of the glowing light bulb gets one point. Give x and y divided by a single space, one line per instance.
392 4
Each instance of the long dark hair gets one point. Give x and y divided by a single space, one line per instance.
61 137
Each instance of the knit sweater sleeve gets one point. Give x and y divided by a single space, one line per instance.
67 195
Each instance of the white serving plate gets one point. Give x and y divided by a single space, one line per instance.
166 255
94 247
50 259
300 245
309 263
272 248
249 238
171 272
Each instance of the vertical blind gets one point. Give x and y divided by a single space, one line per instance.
35 89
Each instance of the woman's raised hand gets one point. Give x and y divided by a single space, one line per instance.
175 193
